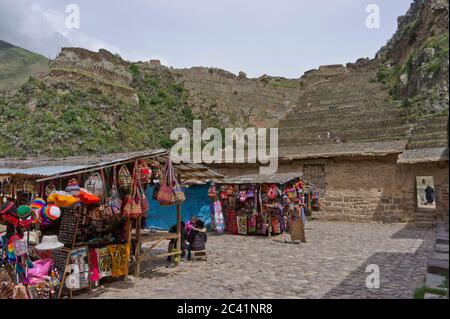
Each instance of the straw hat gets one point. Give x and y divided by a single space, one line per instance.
50 243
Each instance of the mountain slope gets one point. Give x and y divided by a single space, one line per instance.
91 103
17 64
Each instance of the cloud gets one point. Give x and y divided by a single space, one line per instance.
43 30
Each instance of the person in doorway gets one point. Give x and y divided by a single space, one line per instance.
429 194
197 238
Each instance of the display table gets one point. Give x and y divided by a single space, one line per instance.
139 237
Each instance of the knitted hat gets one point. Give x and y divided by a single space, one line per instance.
24 211
52 212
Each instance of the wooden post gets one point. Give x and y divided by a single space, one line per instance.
128 232
179 234
137 249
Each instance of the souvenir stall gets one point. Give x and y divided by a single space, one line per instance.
263 204
84 225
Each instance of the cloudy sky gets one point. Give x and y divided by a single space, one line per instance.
275 37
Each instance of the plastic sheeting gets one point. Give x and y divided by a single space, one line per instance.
164 217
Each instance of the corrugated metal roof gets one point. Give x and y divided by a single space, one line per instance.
39 171
51 168
279 178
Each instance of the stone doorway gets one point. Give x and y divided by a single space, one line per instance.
426 193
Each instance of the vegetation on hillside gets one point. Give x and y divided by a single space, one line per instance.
17 64
62 119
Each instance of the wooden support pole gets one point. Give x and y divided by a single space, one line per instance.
177 260
137 248
128 228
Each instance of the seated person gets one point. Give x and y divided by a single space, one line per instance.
173 242
197 237
190 224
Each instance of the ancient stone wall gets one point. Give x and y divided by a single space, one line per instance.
375 189
237 101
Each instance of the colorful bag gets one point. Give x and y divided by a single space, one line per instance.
165 191
94 184
178 193
144 173
133 208
212 192
250 192
114 200
272 192
124 178
242 196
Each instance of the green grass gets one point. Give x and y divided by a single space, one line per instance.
420 292
17 65
81 119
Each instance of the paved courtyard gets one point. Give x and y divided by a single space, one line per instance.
331 264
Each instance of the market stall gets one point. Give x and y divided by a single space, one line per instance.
264 204
83 224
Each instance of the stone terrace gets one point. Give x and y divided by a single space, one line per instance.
348 105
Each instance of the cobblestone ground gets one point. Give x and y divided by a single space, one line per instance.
331 264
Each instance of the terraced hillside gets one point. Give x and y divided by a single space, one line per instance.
343 105
402 94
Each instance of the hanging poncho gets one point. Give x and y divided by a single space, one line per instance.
218 216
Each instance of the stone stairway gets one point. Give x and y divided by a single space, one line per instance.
424 218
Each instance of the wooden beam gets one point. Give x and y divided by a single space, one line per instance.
178 233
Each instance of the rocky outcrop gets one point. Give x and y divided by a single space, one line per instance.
415 66
237 101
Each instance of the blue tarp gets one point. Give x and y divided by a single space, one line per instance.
163 217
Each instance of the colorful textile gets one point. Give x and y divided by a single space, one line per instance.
94 273
242 224
104 262
231 223
119 259
218 216
251 224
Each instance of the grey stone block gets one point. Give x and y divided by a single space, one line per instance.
434 281
437 266
441 248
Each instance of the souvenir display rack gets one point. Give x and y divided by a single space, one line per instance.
87 227
265 204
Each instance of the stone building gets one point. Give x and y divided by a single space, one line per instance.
360 148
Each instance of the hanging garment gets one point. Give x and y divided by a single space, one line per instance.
218 216
104 262
212 215
93 265
251 224
119 258
231 223
261 225
242 224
